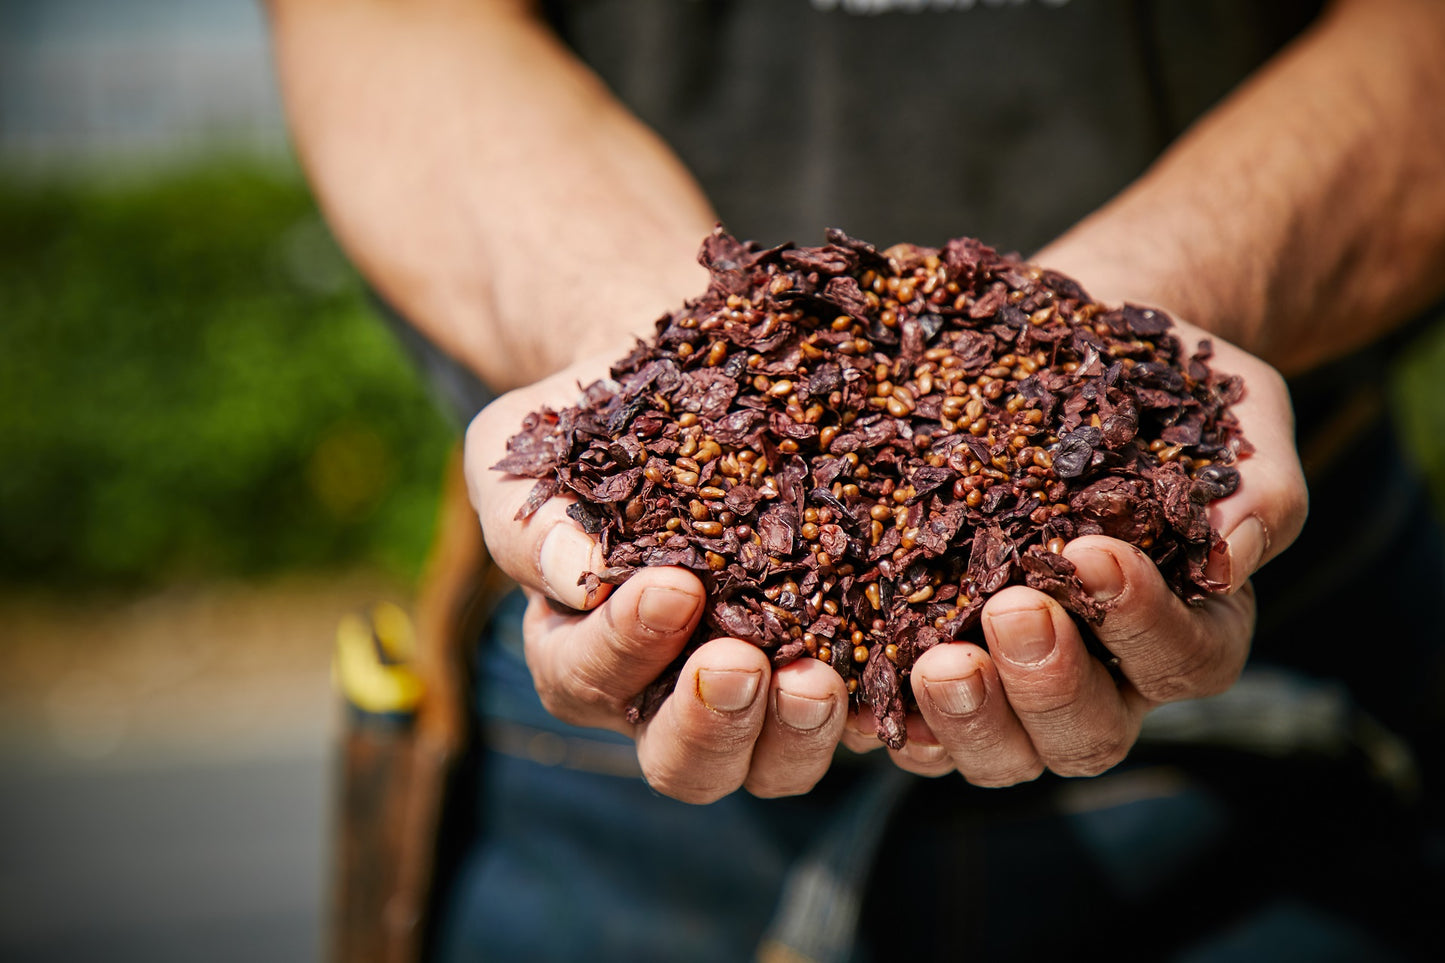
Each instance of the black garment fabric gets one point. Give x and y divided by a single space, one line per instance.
1006 121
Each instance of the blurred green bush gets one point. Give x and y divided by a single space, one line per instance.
192 384
1418 396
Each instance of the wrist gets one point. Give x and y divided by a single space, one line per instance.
1158 274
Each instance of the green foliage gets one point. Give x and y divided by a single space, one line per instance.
191 383
1419 403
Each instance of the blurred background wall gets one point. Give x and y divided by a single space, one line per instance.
209 451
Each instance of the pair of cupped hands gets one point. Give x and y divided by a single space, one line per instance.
1035 700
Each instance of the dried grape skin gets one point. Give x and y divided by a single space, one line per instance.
855 449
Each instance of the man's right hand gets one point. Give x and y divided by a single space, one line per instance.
730 723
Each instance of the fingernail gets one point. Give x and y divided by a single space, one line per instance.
666 610
566 554
1100 573
727 690
957 697
801 712
863 723
1024 636
926 753
1247 545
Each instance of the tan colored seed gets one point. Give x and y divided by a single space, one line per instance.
860 653
710 529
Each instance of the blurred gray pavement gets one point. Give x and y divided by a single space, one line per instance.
157 863
166 765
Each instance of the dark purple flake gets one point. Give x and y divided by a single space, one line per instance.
855 450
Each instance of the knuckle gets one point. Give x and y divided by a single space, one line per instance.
1137 628
677 784
1288 499
770 787
1054 698
1093 758
563 703
580 689
717 742
1172 687
1187 679
1009 776
1204 669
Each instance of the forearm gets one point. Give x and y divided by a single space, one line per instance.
488 184
1304 216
